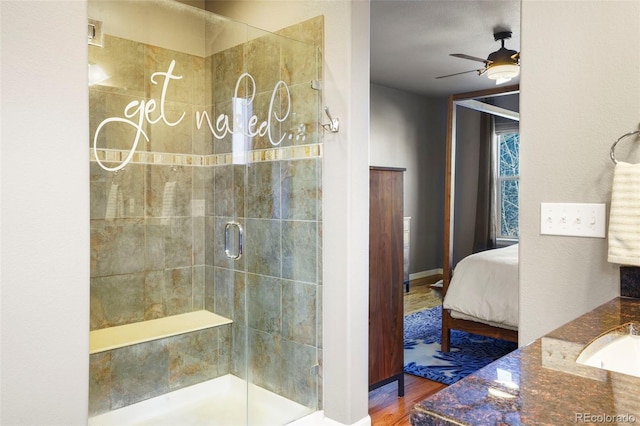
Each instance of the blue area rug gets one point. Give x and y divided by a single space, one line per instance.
469 352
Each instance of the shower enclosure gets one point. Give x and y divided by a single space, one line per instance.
206 232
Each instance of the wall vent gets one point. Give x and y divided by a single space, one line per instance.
94 33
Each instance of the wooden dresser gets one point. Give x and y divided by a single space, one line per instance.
386 260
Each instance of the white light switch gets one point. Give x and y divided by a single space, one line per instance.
573 219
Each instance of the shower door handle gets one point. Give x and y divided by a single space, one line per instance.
233 240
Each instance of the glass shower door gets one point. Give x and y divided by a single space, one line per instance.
206 161
268 201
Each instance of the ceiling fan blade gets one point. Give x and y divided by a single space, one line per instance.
472 58
480 71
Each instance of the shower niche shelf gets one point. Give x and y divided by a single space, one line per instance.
130 334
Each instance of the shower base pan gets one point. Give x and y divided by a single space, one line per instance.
221 401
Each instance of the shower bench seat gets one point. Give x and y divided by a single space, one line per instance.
130 334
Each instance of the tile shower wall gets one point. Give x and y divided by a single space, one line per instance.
156 225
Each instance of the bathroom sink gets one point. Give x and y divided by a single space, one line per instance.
615 350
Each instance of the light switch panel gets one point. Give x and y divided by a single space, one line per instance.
573 219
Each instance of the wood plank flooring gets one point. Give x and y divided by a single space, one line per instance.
421 295
385 408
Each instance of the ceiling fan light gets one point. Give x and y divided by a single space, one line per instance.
503 72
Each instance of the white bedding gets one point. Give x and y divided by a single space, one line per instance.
484 288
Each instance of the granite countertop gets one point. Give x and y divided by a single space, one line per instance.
542 384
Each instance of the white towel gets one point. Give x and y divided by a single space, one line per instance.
624 216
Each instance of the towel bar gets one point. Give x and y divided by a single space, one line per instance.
612 154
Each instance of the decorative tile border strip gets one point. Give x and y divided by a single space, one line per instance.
298 152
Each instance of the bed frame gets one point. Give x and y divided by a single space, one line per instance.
449 323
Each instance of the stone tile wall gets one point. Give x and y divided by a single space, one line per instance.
131 374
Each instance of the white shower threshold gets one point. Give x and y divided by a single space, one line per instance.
220 401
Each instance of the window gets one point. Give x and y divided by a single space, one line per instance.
507 185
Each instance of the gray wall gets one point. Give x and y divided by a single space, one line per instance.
409 130
45 214
571 112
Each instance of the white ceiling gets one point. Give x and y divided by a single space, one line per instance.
411 41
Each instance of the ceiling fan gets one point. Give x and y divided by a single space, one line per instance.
501 65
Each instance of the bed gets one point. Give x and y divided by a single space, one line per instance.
497 318
482 296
